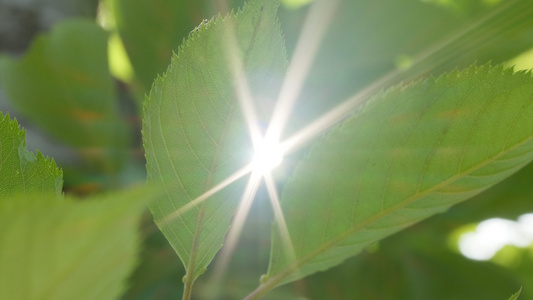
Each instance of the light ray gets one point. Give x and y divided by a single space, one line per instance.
245 97
348 106
279 218
242 89
236 229
315 27
246 103
335 115
229 180
474 36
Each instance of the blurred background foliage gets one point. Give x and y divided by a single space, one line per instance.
75 73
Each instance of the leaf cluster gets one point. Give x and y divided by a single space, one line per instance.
405 109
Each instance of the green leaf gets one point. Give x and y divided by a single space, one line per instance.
63 85
68 249
20 170
515 295
508 199
151 30
409 153
194 132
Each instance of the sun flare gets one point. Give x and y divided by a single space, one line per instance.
268 147
268 155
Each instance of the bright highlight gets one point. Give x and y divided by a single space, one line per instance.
268 155
493 234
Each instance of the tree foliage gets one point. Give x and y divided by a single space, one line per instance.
395 112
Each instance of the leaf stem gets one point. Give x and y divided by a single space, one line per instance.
187 290
259 292
266 287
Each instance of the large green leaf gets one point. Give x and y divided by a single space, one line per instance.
411 152
64 86
420 264
194 132
68 249
20 170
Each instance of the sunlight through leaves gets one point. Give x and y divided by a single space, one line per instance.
268 155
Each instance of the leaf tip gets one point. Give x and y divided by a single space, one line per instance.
516 295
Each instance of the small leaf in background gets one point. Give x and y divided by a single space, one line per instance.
69 249
20 21
411 152
515 295
151 30
63 85
412 272
368 39
194 131
20 170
